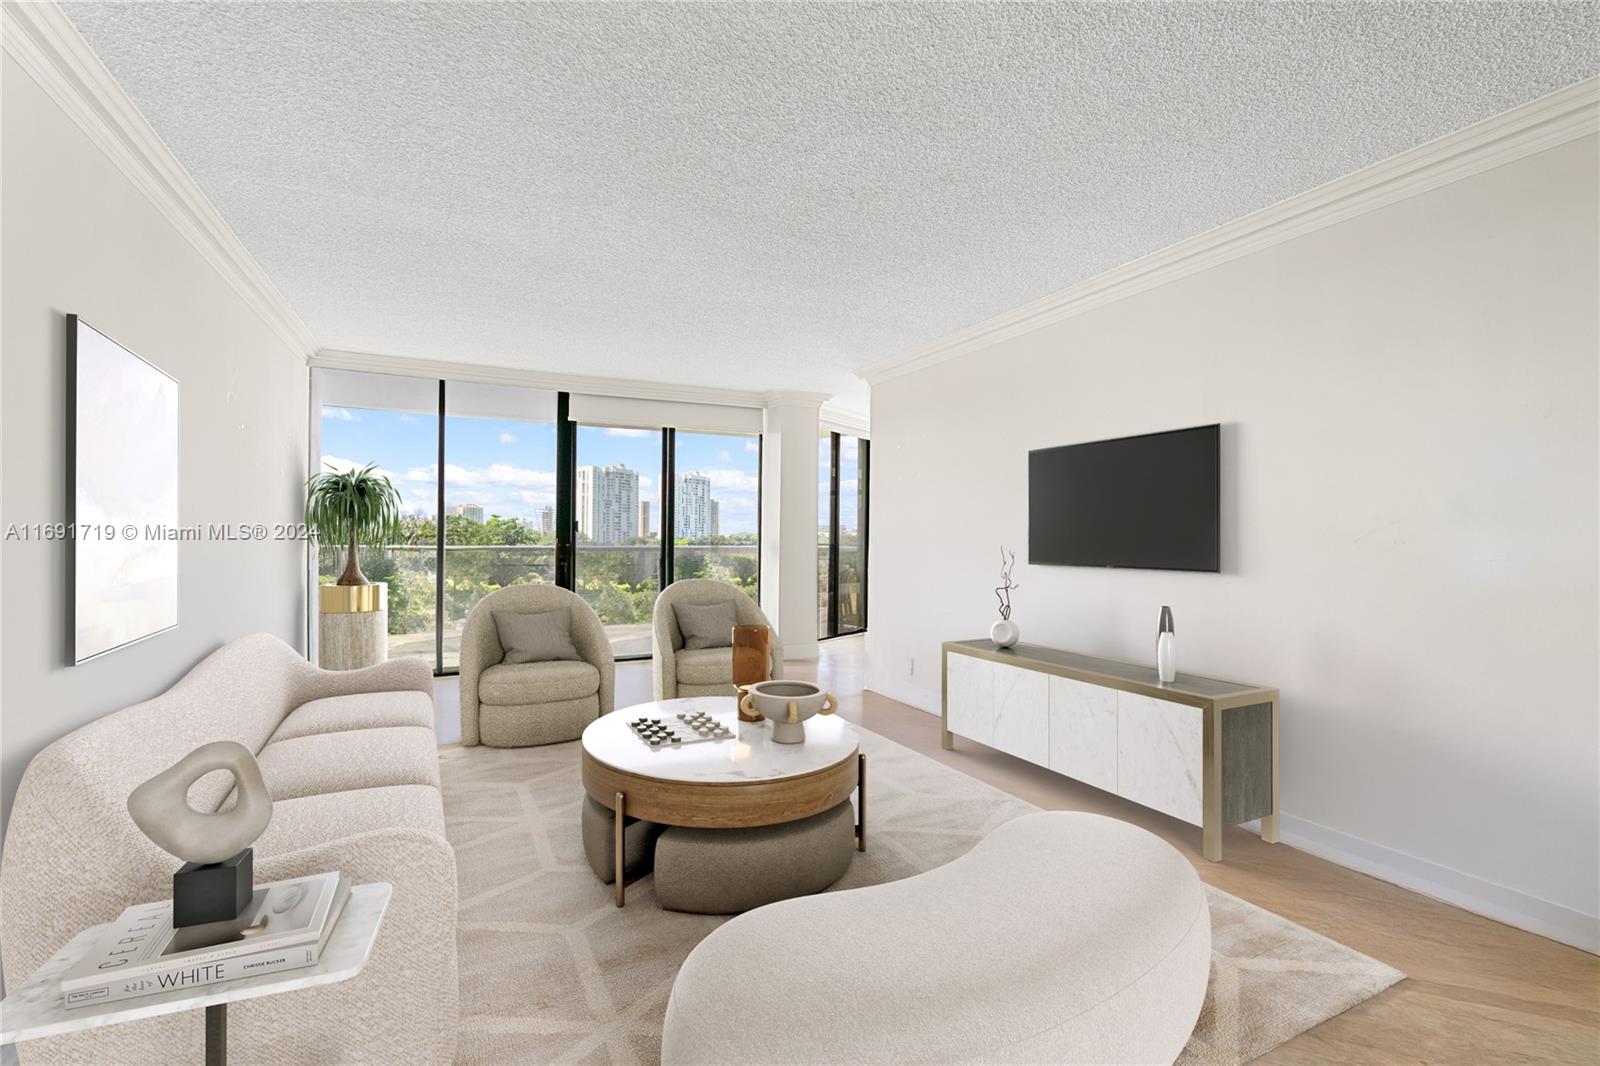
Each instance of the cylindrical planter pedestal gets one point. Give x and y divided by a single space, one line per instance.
354 630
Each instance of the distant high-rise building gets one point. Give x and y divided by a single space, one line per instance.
644 518
691 504
716 519
470 511
608 504
547 520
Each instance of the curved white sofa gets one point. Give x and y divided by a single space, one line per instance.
1061 937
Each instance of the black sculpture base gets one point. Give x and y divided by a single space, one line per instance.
212 892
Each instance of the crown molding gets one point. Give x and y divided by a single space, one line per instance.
1551 120
45 44
629 388
844 421
794 398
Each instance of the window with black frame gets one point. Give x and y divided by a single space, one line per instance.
715 508
843 474
500 487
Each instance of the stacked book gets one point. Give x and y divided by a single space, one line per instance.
284 926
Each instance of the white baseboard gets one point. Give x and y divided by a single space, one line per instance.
1458 889
907 693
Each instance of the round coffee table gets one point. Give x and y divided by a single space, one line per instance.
741 782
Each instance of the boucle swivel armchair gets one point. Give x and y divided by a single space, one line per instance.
681 669
536 667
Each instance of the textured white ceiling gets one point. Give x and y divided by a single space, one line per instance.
773 196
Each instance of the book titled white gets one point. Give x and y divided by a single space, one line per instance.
285 926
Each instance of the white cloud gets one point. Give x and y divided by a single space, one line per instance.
752 446
343 414
724 457
337 464
472 477
408 418
614 431
731 480
508 438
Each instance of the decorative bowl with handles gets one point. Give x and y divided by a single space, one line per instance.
787 705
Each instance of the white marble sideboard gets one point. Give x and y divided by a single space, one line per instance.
1198 749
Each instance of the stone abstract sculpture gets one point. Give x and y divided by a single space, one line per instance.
160 806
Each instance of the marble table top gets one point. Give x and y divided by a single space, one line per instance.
37 1009
749 755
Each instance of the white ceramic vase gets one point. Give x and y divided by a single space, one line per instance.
1004 633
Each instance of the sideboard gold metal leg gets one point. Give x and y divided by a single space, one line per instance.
621 851
1269 823
861 801
1211 787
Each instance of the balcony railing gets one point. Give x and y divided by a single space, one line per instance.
620 581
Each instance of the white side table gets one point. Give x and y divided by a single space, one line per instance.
37 1009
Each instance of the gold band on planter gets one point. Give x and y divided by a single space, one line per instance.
354 599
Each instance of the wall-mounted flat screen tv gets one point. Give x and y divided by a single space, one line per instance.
1151 502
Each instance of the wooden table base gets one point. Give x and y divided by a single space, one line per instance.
621 849
861 801
619 803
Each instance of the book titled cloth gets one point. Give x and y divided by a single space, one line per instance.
284 926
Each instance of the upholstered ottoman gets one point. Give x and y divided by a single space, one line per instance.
600 842
726 871
1060 937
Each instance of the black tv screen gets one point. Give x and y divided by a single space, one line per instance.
1152 502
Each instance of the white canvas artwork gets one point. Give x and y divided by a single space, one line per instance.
125 478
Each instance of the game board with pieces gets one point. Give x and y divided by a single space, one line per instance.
690 728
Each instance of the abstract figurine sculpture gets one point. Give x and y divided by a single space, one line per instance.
1004 633
217 878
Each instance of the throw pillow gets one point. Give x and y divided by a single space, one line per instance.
706 625
535 638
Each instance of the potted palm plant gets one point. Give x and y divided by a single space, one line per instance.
355 507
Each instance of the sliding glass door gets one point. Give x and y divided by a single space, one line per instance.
842 534
499 487
499 498
617 518
716 508
394 422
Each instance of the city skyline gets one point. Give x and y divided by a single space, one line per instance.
507 467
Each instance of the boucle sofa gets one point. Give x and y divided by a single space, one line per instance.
352 764
679 671
1060 937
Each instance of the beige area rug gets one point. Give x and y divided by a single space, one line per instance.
553 972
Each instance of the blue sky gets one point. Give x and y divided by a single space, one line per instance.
508 467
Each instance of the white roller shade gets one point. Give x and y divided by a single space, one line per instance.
654 414
499 401
377 392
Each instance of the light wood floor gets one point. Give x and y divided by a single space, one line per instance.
1477 991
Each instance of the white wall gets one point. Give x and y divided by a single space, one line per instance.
1409 532
789 521
78 237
